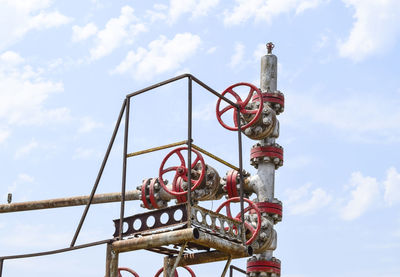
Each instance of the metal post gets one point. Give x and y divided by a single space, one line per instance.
123 188
189 161
1 267
112 262
78 229
240 174
228 262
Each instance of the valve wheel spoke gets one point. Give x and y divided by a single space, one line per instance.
181 171
251 206
256 113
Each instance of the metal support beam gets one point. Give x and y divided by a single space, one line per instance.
124 161
228 262
100 173
111 262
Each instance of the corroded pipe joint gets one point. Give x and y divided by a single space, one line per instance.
269 153
265 125
275 100
272 209
231 184
263 268
150 194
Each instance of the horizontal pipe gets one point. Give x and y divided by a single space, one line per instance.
223 245
207 257
67 202
156 240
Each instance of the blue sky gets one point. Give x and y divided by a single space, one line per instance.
66 66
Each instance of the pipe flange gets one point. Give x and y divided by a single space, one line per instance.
276 100
232 183
272 153
258 268
150 194
272 209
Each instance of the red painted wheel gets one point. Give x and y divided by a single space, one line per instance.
251 207
242 104
131 271
181 171
176 272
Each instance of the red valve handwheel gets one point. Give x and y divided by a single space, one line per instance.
251 207
176 272
127 269
242 105
182 171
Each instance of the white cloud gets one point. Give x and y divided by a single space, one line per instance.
237 57
24 92
196 8
212 50
11 58
376 28
265 10
88 125
364 195
18 17
118 31
26 149
162 55
82 33
83 153
4 134
367 124
304 201
392 186
158 13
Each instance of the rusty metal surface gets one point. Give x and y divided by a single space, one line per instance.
162 218
215 223
156 240
68 202
207 257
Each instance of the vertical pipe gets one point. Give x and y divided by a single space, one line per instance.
123 187
240 173
113 261
108 260
189 158
78 229
1 267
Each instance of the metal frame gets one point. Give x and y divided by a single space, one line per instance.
125 109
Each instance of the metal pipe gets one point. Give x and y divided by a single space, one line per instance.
187 75
100 173
223 245
208 257
178 258
232 267
111 262
124 160
156 148
156 240
68 202
189 140
241 175
228 262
